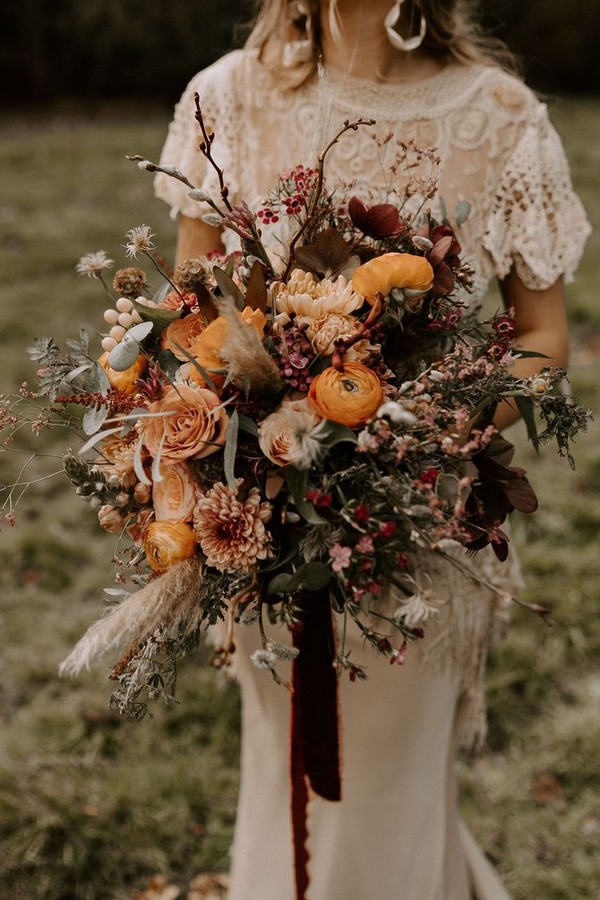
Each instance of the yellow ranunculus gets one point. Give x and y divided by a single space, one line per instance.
206 347
351 396
167 543
124 381
392 270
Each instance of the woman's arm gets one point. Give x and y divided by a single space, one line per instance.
540 325
196 238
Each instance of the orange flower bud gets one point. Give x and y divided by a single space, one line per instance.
182 333
207 346
392 270
167 543
125 381
351 396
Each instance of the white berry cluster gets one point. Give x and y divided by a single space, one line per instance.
121 317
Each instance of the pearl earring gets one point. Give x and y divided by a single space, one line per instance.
396 39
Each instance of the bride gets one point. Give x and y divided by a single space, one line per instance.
422 70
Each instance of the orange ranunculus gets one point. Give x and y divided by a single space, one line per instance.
392 270
194 428
182 333
174 497
167 543
124 381
351 396
207 346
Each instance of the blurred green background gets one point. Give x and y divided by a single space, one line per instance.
52 49
90 807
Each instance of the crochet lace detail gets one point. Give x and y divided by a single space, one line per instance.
499 152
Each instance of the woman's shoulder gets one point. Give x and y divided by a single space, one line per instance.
508 92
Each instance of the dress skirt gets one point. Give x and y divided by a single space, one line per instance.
396 834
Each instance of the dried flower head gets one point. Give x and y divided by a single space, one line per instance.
139 240
92 264
129 282
191 274
231 531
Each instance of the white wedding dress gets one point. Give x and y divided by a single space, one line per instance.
396 835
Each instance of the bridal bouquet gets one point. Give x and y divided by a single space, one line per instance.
292 421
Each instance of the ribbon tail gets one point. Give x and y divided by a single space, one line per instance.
315 743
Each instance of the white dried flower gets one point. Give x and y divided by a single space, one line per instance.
367 442
92 264
139 240
537 386
284 652
264 659
395 412
198 194
415 610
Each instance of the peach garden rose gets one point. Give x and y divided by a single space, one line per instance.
174 497
284 435
193 425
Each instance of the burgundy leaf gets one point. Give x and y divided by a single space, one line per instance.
441 231
327 256
379 221
443 279
440 250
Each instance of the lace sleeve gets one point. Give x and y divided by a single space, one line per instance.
536 221
217 101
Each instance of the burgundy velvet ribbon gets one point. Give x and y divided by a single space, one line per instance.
314 739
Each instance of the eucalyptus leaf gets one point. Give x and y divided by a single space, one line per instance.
248 425
312 576
168 362
159 295
96 381
94 419
443 210
280 584
139 332
230 451
297 483
462 211
525 407
138 466
229 288
124 355
528 354
334 433
194 362
78 371
160 318
96 438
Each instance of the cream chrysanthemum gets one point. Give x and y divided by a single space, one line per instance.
231 532
121 462
304 296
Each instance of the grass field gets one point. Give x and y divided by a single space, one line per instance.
91 808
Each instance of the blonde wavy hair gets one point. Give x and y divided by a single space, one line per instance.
453 32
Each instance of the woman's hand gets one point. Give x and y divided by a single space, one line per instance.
540 326
196 238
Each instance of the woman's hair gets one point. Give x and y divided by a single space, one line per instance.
453 32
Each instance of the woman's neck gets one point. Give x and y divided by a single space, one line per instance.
365 51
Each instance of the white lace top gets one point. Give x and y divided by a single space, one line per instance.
499 152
